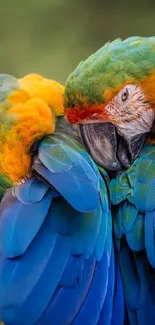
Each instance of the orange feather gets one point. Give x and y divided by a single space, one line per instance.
34 108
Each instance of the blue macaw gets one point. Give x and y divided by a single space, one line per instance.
111 99
58 264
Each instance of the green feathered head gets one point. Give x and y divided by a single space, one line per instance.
115 85
111 67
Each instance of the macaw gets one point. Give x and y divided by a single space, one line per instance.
111 99
57 260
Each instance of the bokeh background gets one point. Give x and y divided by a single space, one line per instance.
51 37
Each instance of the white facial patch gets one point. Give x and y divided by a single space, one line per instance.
130 111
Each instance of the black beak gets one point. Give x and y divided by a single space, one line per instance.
108 148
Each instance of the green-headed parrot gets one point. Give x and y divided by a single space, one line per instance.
57 260
111 99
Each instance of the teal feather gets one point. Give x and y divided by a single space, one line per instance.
133 195
129 217
135 237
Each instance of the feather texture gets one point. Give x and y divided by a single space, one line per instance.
57 262
134 217
97 79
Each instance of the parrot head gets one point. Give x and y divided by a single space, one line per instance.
28 111
111 97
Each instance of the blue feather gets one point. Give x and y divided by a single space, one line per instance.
69 301
118 307
134 213
107 309
32 191
72 187
150 236
21 223
57 229
73 272
90 310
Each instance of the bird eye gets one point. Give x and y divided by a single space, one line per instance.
125 95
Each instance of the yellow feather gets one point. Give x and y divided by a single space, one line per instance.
48 90
33 112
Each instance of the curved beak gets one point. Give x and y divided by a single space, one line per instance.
108 148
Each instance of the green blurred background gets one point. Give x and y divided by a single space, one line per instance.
51 37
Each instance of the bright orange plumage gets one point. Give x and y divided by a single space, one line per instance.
33 108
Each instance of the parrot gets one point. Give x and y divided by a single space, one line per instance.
58 261
110 97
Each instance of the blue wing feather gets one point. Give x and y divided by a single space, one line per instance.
118 306
133 195
107 308
98 289
16 216
32 191
150 236
56 263
69 301
71 185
